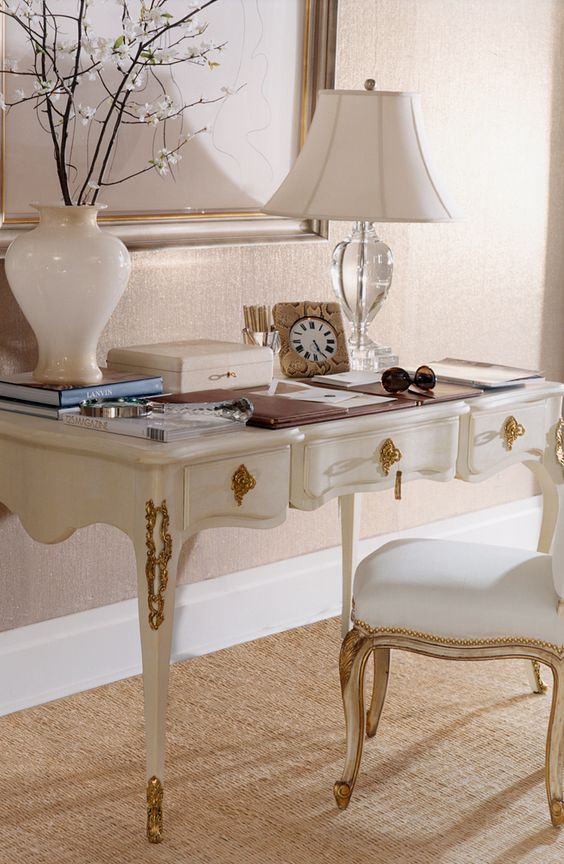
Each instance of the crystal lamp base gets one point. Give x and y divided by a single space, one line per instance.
371 358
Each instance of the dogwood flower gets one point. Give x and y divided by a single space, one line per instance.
43 87
121 50
86 113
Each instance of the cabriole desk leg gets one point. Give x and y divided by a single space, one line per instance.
156 577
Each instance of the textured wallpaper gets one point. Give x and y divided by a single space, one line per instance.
491 77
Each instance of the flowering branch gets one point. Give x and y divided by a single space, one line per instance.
68 55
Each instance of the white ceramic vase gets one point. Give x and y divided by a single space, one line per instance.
67 276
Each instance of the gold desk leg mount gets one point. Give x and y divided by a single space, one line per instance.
154 810
560 442
241 483
511 431
156 567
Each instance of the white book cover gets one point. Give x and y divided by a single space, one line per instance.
476 374
155 428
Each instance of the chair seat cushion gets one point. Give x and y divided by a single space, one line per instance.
455 590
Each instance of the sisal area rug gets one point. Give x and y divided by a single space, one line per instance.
455 775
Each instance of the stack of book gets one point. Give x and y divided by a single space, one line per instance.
487 376
21 394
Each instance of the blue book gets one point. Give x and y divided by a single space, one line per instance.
113 385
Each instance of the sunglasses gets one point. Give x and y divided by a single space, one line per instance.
396 379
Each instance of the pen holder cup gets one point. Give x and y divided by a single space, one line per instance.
268 338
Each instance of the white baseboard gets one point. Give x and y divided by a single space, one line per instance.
55 658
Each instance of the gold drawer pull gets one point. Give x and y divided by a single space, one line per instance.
389 454
511 431
241 483
397 486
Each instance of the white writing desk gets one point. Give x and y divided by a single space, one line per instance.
57 479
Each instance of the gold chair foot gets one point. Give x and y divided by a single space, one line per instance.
342 792
541 686
557 812
154 810
371 728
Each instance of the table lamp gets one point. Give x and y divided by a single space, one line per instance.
365 159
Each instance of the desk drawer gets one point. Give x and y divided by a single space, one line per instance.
428 450
505 435
251 488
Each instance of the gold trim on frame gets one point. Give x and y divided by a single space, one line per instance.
318 66
523 641
156 567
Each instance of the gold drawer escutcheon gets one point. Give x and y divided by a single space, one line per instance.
241 483
389 454
511 431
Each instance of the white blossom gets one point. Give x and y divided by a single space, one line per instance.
86 113
121 59
65 47
43 87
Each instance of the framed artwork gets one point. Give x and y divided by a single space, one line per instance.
256 105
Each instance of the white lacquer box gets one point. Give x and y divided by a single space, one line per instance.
197 364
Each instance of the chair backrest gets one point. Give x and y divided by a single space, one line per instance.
553 490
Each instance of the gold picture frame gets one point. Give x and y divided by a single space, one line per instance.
147 228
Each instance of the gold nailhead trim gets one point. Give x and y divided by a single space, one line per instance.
462 643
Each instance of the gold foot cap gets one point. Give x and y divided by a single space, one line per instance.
342 792
370 727
541 687
154 810
557 812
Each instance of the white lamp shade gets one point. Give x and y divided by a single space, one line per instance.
366 158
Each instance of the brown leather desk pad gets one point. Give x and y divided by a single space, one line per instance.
278 412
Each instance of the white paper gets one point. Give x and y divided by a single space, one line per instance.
320 394
349 379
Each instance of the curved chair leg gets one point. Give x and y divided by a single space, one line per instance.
381 675
535 677
355 650
555 748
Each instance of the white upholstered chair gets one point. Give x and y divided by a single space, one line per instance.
462 601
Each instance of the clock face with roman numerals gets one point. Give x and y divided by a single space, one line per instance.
313 339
